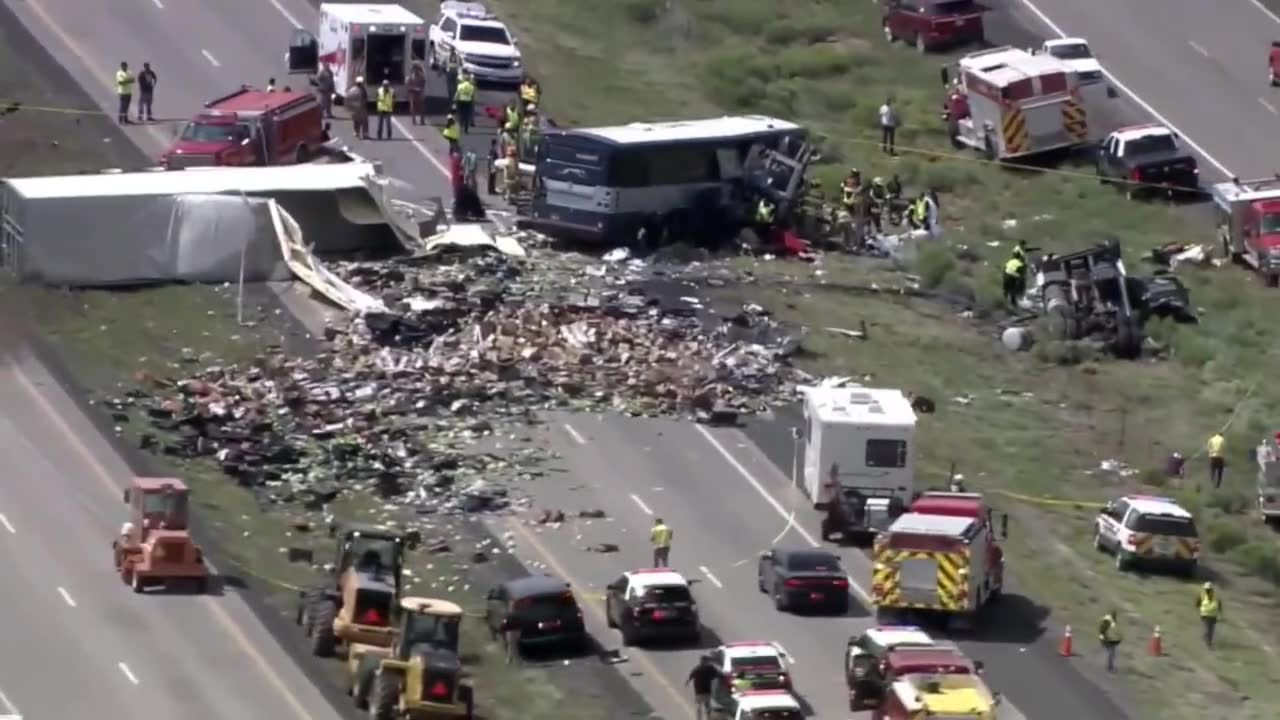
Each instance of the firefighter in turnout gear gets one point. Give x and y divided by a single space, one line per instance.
1109 636
1210 607
849 190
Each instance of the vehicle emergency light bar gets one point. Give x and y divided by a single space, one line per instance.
916 628
776 691
470 10
1156 498
650 570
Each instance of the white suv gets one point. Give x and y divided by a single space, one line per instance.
484 46
1148 529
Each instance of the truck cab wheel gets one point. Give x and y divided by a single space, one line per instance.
920 45
302 154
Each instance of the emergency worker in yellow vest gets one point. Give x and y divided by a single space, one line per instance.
765 213
1110 637
919 217
530 93
386 104
530 134
1210 607
1014 281
452 133
511 117
660 538
124 91
464 98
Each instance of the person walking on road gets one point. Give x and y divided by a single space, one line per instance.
386 104
357 101
452 134
1109 636
1210 607
146 92
889 127
1217 463
417 89
703 676
324 89
124 91
465 100
452 67
660 537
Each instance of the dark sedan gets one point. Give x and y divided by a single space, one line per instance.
808 579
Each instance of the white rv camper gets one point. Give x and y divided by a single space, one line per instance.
862 438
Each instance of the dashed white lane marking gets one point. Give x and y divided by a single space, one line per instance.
158 4
711 576
1132 95
287 15
636 499
7 525
1197 48
573 433
11 710
127 673
66 596
212 60
1269 106
777 506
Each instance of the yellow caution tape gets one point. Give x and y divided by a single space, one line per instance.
1048 500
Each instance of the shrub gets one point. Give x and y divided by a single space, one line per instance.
1260 560
933 263
644 12
1058 352
797 31
743 17
1231 502
1223 536
814 61
1192 349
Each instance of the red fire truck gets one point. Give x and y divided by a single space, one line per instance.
250 127
1248 213
943 557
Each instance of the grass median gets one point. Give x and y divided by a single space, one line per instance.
1036 424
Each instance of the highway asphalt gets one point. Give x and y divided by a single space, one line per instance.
79 643
202 50
1199 65
727 501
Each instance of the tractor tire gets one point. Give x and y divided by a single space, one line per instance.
385 697
323 639
1128 342
362 683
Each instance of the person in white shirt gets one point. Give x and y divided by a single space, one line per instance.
888 127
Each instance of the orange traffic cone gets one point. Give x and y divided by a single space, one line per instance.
1156 644
1064 649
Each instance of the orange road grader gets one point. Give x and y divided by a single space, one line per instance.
155 547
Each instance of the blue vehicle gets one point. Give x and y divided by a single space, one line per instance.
666 179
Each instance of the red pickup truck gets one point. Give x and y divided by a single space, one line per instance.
934 24
250 127
1273 63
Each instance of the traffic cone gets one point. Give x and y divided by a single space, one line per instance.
1156 644
1064 649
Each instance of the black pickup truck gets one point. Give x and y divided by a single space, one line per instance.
1147 158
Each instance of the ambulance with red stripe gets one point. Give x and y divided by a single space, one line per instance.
1008 103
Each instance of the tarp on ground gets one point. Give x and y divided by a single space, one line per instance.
104 240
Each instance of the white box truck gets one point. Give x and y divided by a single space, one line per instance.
858 447
375 41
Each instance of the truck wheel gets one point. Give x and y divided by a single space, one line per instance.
303 154
779 600
1272 280
386 696
920 45
136 582
1122 560
989 148
888 33
468 697
323 640
1097 542
953 133
1128 342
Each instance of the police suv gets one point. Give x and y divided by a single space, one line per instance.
652 604
1148 529
484 45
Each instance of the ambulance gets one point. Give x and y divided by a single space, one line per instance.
1008 103
375 41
